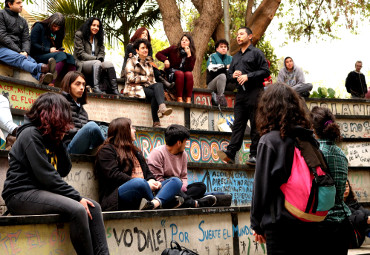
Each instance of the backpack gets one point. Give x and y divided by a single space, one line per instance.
310 191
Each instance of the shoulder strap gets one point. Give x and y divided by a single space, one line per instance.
311 154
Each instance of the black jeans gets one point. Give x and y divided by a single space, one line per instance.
155 94
87 236
194 191
244 110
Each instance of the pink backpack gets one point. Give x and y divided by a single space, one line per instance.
309 192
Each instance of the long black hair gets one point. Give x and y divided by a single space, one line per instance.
85 29
58 20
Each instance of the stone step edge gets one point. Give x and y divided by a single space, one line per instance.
118 215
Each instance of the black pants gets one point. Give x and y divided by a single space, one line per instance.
244 110
155 94
194 191
336 236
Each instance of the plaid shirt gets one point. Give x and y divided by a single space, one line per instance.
338 168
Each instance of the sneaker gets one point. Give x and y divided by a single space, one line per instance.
164 112
174 203
146 205
251 161
46 78
225 157
207 201
223 200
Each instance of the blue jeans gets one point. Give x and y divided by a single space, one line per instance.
130 193
17 60
89 136
87 236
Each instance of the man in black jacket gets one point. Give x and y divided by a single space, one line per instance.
356 83
15 43
247 69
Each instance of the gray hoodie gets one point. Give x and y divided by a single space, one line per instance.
292 78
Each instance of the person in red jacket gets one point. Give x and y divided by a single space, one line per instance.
179 61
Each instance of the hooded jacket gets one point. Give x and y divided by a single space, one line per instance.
292 78
35 162
14 33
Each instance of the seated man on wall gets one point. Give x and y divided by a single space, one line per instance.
171 160
15 43
293 76
7 126
356 82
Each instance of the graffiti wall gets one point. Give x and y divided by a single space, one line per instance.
358 154
20 97
204 98
360 182
344 108
354 128
203 119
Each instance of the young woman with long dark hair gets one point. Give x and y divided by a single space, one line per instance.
46 42
37 162
125 180
89 53
336 226
281 118
180 59
86 134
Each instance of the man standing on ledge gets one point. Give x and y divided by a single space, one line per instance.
247 69
356 83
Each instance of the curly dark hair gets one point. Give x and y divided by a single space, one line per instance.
191 44
222 41
68 79
51 114
140 41
86 32
323 121
119 135
281 108
137 34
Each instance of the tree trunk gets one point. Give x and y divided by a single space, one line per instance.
171 20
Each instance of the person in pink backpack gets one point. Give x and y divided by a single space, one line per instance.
281 118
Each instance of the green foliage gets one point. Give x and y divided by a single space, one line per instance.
158 45
323 92
268 50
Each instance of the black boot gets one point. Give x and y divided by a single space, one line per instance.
113 81
96 73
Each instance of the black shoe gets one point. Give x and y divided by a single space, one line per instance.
207 201
146 205
174 203
223 200
251 161
305 94
223 155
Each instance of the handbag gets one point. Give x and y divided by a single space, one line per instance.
134 90
176 249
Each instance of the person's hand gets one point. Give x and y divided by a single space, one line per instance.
153 184
187 50
166 64
227 67
242 78
368 220
237 73
86 204
24 53
53 49
259 238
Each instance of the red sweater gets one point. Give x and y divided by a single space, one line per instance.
171 55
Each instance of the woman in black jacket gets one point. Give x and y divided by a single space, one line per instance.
46 42
360 218
85 135
37 162
124 178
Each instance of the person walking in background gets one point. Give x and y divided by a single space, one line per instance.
89 53
336 226
47 41
37 162
125 180
179 61
85 134
248 68
356 82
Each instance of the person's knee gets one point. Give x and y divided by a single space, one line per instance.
176 181
93 127
61 56
107 64
188 74
179 75
222 78
139 184
78 212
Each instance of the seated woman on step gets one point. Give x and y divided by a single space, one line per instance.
47 41
37 162
179 62
140 76
85 135
124 178
89 53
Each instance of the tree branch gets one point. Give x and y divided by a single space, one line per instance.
171 20
248 12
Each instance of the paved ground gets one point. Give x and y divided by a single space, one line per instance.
364 250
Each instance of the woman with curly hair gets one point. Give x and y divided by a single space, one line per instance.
89 53
180 60
37 162
85 134
281 118
126 182
46 42
336 225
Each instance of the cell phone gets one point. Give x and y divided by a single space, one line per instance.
61 49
